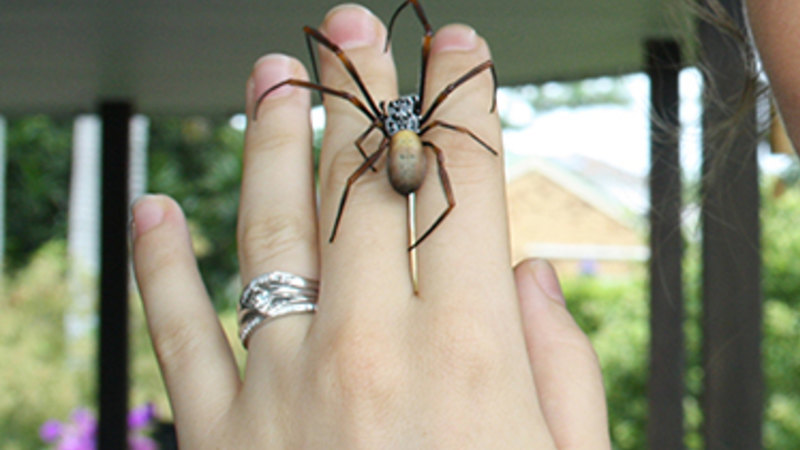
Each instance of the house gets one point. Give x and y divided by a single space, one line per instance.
583 215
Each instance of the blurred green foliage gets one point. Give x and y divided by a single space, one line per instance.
37 184
36 379
39 378
198 161
613 313
781 245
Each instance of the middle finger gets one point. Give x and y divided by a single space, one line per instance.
367 259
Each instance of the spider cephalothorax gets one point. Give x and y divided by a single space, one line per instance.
401 114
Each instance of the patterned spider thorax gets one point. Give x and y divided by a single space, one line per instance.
400 115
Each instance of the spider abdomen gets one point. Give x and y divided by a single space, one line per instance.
407 162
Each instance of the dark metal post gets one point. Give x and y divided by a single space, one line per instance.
665 383
113 348
3 163
732 312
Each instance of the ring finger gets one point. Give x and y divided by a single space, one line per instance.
277 214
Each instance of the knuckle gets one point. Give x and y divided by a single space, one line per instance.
274 235
570 339
341 164
474 154
273 133
361 368
467 349
344 162
275 139
277 131
375 69
175 344
473 166
156 255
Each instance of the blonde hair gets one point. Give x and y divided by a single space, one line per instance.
733 109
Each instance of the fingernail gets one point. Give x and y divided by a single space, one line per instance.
548 280
350 26
268 71
454 38
147 213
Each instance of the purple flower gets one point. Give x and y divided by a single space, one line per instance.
85 422
141 443
141 417
80 432
51 431
76 442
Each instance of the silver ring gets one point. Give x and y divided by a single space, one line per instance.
273 295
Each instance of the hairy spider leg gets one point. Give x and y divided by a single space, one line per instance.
488 64
460 129
318 87
426 44
363 137
348 65
311 54
369 162
446 187
443 177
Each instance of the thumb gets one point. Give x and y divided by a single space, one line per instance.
565 367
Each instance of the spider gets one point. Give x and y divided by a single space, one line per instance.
402 122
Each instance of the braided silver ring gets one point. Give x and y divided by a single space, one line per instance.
273 295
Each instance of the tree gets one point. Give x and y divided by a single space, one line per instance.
198 161
37 184
781 330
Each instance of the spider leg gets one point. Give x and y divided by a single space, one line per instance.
446 187
426 43
391 23
315 87
488 64
311 54
369 162
363 137
460 129
348 65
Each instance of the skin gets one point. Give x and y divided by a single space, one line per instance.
483 356
775 25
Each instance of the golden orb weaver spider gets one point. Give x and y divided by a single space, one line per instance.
402 122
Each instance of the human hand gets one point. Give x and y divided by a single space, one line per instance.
480 356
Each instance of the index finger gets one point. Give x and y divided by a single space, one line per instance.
196 361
